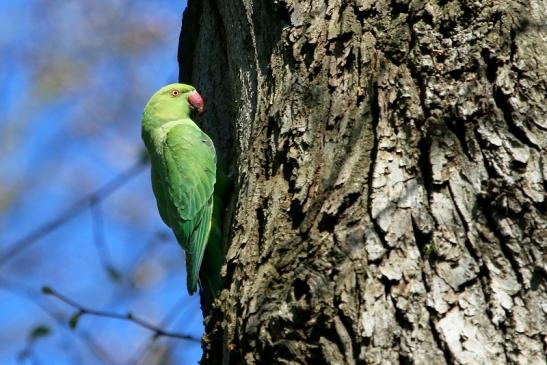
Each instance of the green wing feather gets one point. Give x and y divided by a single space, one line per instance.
157 188
189 168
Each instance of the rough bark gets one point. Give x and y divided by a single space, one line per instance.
390 168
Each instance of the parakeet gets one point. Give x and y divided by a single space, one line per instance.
183 160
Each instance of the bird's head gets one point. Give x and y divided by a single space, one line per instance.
174 101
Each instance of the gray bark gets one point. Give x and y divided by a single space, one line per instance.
390 168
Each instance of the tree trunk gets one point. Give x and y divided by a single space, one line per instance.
390 172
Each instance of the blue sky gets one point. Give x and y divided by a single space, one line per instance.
74 77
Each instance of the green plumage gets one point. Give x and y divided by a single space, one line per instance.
183 171
214 254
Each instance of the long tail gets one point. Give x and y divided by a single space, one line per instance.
209 275
197 247
210 280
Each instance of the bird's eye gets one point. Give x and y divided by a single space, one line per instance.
175 92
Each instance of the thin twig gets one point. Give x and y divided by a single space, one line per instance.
169 317
33 297
100 242
81 311
71 212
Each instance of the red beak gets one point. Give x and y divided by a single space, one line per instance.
196 101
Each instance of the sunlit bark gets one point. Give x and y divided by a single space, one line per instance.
389 159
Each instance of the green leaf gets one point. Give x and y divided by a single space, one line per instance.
47 290
73 321
114 274
39 331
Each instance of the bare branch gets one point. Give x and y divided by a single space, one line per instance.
171 315
100 242
71 212
81 311
33 297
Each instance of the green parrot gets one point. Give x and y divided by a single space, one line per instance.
183 160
